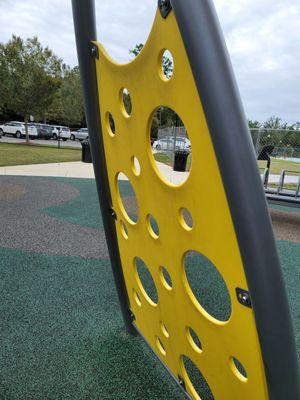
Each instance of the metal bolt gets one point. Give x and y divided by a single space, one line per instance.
113 214
181 382
94 51
132 316
164 7
244 297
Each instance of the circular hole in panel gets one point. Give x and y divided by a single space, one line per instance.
127 198
126 104
208 288
170 145
166 64
136 168
238 369
194 340
110 124
124 229
165 277
146 281
196 380
152 226
137 298
185 218
164 330
160 346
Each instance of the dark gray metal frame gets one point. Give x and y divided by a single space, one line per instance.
85 32
217 88
218 91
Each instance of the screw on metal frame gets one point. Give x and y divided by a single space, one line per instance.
243 297
181 382
94 51
113 214
165 7
132 316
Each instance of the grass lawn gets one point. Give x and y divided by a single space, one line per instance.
166 159
20 154
278 165
163 158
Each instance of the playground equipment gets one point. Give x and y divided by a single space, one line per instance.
250 355
282 194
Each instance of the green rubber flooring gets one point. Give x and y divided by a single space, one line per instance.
61 329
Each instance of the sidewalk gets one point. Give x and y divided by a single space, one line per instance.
79 169
76 169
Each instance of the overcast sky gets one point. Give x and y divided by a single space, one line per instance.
263 37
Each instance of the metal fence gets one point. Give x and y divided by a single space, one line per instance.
171 139
284 145
285 142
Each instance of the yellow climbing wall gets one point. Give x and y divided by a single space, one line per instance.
166 324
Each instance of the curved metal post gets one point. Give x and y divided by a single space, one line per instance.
85 32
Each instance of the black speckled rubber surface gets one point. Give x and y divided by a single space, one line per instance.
61 332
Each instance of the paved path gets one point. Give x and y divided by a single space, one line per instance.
79 169
69 143
76 169
287 179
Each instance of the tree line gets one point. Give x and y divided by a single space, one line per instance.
34 81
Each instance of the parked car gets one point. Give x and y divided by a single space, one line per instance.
17 129
44 131
168 144
62 132
81 134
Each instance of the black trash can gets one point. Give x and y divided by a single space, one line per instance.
86 151
180 159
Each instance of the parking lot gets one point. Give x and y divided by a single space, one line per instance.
68 143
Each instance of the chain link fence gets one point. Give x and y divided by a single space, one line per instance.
285 143
281 173
283 147
171 138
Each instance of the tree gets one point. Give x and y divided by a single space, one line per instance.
254 124
30 77
137 49
274 123
72 97
67 105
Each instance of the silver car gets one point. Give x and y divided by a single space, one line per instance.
81 134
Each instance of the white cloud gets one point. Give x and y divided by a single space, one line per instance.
262 36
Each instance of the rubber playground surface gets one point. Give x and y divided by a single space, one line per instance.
61 329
